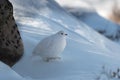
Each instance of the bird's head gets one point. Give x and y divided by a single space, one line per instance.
62 33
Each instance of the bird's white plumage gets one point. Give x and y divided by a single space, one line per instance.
51 47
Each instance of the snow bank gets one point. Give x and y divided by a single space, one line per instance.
90 16
6 73
85 53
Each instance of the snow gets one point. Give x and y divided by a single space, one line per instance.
103 7
90 15
85 54
6 73
99 23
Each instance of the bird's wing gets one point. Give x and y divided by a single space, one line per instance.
43 45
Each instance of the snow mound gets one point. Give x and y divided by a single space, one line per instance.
6 73
90 17
86 50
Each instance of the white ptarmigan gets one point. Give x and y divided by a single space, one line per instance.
50 47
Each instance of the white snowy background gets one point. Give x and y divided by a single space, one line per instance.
83 58
95 13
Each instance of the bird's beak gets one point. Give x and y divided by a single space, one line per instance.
66 34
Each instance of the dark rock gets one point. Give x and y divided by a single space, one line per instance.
11 46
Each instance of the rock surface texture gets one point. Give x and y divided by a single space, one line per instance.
11 46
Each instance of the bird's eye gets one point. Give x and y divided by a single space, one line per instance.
66 34
61 33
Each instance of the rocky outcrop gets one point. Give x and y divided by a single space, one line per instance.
11 46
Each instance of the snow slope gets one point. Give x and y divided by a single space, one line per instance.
6 73
103 7
86 51
108 28
89 15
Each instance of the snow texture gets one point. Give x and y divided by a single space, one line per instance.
6 73
86 51
90 16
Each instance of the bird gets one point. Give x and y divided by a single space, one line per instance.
51 47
